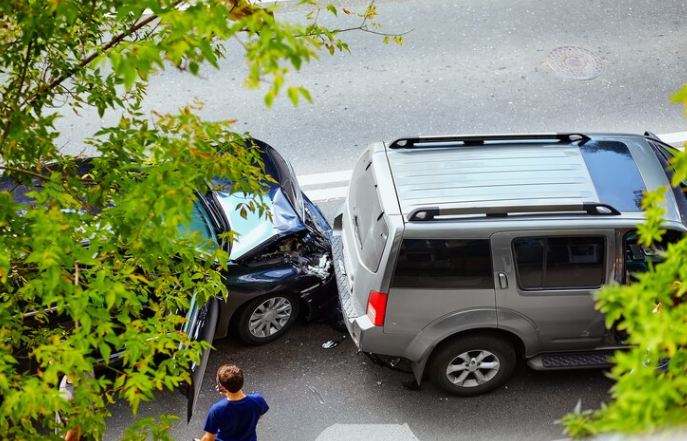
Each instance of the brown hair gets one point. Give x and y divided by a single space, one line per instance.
230 377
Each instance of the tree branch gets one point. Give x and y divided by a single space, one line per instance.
86 61
383 34
372 3
25 68
87 23
356 28
40 176
26 172
20 86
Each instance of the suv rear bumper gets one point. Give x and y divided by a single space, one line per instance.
350 316
347 307
366 336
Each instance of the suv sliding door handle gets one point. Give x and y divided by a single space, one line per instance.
503 281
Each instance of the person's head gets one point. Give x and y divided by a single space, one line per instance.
230 377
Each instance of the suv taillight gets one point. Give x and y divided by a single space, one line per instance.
376 307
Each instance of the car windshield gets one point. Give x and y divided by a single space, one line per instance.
666 155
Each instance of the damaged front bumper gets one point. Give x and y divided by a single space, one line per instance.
319 263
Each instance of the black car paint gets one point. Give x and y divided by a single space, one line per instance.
279 265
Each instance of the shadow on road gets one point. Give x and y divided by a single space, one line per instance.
319 394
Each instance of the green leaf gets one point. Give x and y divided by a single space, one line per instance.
306 94
292 93
193 67
105 351
106 249
269 97
680 96
110 298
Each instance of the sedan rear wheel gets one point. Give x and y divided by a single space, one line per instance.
267 318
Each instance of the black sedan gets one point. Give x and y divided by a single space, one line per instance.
280 262
280 265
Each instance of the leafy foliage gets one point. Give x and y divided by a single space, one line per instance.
648 396
102 250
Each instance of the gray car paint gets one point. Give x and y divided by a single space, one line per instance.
417 320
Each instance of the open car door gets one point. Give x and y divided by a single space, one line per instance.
201 326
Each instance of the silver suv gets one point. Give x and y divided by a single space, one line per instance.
462 254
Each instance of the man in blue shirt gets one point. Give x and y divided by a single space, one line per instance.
234 417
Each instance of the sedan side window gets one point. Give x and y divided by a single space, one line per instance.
202 226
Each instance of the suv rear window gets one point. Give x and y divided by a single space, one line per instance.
369 227
444 263
559 262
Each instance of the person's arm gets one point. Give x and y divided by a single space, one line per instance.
72 435
263 406
210 427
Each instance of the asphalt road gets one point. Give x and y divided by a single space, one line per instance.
465 67
337 394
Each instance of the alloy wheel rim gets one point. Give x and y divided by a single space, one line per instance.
270 317
473 368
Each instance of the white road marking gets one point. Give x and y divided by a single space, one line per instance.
365 432
327 194
322 178
672 138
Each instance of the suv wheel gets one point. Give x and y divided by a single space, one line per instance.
267 318
472 365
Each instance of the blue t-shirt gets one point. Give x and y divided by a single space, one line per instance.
236 420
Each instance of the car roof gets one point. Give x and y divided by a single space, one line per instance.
470 173
80 167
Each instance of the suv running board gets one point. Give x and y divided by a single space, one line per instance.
572 360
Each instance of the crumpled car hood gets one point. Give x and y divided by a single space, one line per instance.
255 231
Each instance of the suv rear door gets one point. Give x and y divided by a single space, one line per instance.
545 282
441 280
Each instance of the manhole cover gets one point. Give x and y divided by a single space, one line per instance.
575 63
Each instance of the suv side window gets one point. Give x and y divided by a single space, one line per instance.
444 264
559 262
639 258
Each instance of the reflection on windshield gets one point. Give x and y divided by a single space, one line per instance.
201 227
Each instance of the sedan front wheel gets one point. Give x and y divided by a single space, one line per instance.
267 318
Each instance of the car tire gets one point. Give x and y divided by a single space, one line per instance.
472 365
267 318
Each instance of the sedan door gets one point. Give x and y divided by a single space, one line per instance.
201 326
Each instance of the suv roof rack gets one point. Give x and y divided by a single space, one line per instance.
411 142
592 208
652 135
